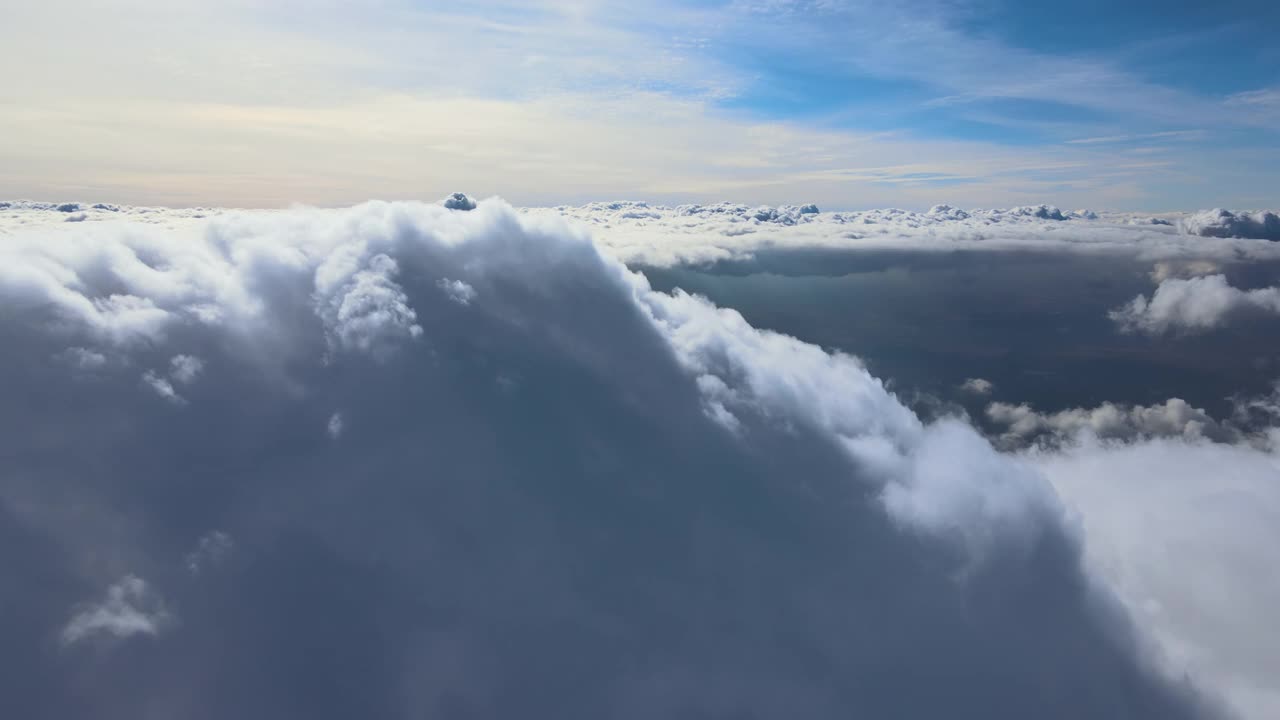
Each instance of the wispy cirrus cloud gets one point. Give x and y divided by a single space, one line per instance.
1264 98
686 91
1166 135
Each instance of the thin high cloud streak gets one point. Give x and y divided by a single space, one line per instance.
570 496
932 48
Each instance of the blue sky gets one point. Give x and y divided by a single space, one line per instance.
1123 105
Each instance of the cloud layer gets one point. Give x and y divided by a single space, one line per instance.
652 234
644 233
458 464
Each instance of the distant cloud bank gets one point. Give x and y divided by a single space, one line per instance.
1262 225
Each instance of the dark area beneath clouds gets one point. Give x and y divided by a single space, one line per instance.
1033 323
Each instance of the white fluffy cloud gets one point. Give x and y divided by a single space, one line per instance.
1190 305
1185 530
1174 418
1180 513
458 291
1219 223
913 466
185 368
363 307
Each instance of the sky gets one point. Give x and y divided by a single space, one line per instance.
1139 106
464 375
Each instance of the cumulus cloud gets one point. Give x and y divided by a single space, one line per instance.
1174 418
673 514
977 386
743 370
185 368
1185 531
363 307
458 291
1191 305
130 608
1219 223
459 201
335 426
